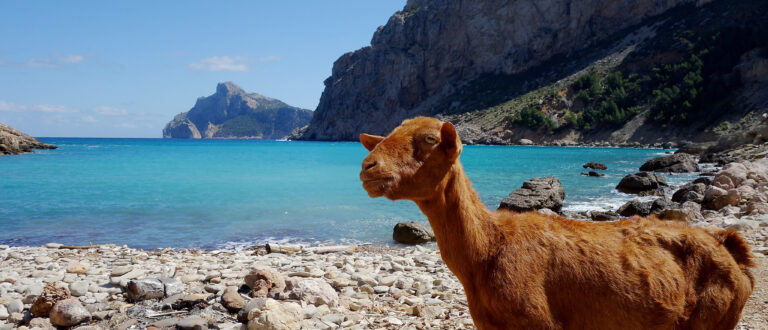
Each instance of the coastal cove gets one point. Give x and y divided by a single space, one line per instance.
157 193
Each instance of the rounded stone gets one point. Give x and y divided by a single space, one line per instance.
69 312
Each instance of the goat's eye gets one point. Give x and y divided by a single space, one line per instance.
430 139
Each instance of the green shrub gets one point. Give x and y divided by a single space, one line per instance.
533 118
698 86
609 105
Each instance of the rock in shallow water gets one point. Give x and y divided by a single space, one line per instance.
677 163
595 166
536 193
642 182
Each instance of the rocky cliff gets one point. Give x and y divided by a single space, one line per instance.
431 48
232 113
13 142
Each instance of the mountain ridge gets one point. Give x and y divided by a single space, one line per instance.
232 113
509 63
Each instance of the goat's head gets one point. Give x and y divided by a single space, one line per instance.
410 162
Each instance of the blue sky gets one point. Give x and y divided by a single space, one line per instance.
124 69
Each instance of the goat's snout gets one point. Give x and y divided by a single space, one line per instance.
369 163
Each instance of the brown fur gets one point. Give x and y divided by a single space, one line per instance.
530 271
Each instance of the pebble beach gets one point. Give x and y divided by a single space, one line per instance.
373 287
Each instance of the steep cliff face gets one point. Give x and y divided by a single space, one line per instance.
233 113
13 142
433 47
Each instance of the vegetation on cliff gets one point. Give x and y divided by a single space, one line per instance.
687 74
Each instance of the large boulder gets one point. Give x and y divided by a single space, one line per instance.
676 163
536 193
641 183
690 192
731 176
688 211
412 233
716 198
635 207
641 208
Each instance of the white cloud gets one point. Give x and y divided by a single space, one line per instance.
72 58
40 63
88 119
222 63
45 108
109 111
270 58
52 61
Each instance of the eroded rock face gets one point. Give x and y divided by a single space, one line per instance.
412 233
676 163
536 193
13 142
431 47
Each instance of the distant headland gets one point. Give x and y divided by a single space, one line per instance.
231 113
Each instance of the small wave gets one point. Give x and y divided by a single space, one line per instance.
240 245
603 203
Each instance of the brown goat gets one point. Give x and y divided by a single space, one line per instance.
530 271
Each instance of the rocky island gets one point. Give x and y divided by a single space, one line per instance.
14 142
231 113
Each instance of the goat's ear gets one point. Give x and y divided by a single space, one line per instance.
450 142
370 141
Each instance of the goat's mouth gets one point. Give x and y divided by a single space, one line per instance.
377 187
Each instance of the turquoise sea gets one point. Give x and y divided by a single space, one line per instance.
153 193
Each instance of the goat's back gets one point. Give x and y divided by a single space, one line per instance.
636 273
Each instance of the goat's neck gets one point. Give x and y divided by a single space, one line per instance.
465 231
